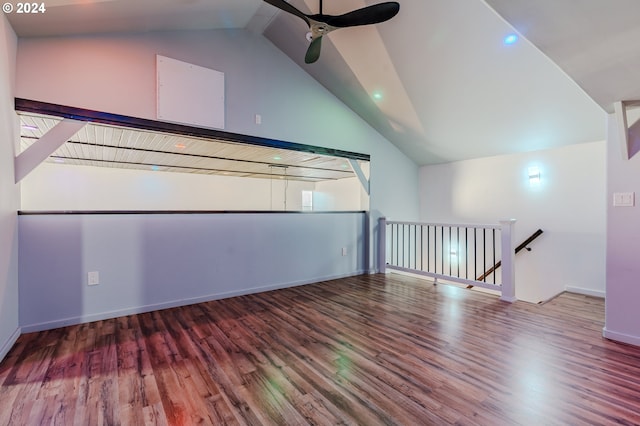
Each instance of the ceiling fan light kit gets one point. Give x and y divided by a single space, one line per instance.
321 24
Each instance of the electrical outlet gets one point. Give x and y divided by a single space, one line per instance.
344 251
93 278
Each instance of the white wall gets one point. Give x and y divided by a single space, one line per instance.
568 206
117 74
69 187
343 194
9 326
623 245
152 261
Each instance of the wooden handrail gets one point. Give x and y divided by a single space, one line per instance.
524 245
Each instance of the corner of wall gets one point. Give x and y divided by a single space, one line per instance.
623 243
9 322
6 346
620 337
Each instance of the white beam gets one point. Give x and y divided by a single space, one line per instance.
623 131
45 146
358 171
633 134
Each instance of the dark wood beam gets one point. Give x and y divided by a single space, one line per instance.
37 107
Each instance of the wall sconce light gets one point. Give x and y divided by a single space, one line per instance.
534 176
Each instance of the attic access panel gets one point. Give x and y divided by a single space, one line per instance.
179 83
108 141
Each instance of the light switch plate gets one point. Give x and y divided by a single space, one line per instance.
624 199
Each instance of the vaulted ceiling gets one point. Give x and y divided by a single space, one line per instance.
448 87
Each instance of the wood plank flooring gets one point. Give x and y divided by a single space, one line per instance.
366 350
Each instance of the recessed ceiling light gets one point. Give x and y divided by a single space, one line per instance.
180 146
510 39
29 127
377 96
277 157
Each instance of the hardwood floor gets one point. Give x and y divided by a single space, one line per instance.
364 350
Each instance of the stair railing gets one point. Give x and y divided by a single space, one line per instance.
450 252
522 246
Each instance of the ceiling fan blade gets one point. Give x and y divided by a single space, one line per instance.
367 15
283 5
313 52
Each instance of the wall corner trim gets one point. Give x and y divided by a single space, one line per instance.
6 346
621 337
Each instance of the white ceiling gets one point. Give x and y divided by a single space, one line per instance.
65 17
451 89
596 42
101 145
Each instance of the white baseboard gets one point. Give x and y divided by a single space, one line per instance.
586 291
621 337
6 347
48 325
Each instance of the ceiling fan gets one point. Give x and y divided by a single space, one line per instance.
321 24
